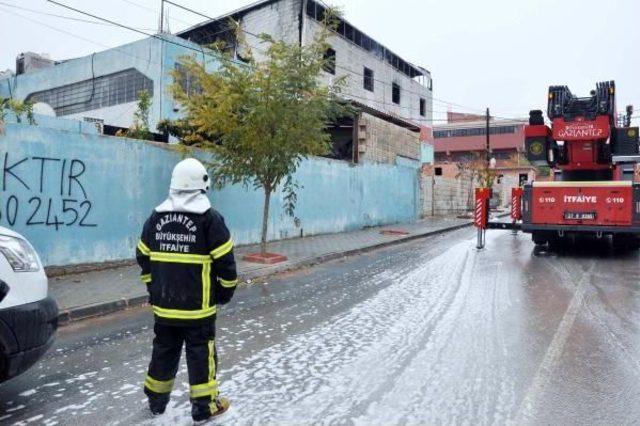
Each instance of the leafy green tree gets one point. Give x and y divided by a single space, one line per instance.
140 127
3 109
20 109
262 117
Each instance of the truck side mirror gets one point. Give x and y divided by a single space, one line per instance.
4 290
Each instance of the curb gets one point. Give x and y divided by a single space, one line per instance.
79 313
270 271
99 309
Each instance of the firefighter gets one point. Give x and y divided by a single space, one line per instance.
186 256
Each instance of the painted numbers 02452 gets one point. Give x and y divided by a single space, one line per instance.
47 212
57 213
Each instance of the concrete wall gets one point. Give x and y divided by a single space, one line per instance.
444 196
83 198
281 20
351 60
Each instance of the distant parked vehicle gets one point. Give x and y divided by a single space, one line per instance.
28 317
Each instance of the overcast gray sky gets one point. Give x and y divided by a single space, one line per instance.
497 53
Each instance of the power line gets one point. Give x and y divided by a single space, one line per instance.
156 36
201 50
55 29
156 63
336 65
156 11
86 21
78 36
133 29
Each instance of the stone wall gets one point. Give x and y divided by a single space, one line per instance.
444 196
382 142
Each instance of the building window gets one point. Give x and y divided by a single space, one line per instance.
475 131
329 61
423 107
186 80
523 178
368 79
101 92
395 93
438 171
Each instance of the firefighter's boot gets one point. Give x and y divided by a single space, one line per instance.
204 412
158 404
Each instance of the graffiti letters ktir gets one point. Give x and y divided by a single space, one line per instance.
44 191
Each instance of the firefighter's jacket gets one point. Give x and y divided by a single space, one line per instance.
187 264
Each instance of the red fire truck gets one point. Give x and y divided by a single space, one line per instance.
593 163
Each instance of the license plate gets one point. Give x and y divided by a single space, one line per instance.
580 215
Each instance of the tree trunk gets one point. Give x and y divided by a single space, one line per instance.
265 220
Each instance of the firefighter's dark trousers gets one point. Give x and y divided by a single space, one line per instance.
202 361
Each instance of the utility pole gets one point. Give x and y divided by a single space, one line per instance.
627 118
488 147
161 16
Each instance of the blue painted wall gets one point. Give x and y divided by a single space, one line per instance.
83 197
56 123
426 153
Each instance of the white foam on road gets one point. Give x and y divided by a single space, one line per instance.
370 364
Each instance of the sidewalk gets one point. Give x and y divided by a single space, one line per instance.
97 293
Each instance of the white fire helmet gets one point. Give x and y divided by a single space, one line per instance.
190 175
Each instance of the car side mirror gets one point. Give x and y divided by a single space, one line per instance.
4 290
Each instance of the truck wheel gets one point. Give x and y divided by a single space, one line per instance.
556 242
539 238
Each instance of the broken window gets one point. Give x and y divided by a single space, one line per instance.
395 93
423 107
342 137
438 171
329 61
368 79
348 32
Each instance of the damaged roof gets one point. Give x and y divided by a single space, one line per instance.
208 31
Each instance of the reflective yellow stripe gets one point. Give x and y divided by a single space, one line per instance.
212 361
222 250
143 248
184 314
158 386
194 259
145 278
227 283
205 389
206 285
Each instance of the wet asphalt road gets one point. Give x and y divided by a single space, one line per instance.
429 332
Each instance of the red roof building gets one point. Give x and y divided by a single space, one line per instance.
466 133
463 139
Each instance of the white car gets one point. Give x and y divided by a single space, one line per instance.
28 316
